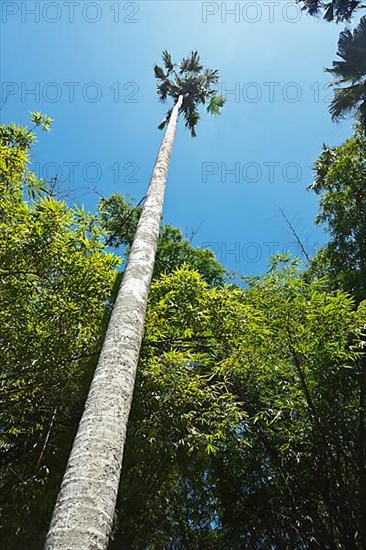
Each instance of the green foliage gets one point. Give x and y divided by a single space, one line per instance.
246 417
183 408
55 284
215 105
248 422
339 10
192 81
42 120
301 392
12 165
16 137
340 180
120 219
350 75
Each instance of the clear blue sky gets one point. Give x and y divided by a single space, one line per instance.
271 130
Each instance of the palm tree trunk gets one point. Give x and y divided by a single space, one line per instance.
83 515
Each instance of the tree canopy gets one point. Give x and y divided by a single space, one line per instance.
193 82
248 421
245 429
338 10
350 75
55 287
119 217
340 176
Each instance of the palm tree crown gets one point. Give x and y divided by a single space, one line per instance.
193 82
350 75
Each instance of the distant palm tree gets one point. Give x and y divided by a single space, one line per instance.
350 75
84 511
340 10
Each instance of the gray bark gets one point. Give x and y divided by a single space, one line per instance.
83 515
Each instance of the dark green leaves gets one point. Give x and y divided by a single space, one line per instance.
159 73
340 175
339 10
195 83
119 218
240 395
167 60
350 75
191 64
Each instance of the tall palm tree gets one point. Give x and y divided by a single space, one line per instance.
350 75
84 510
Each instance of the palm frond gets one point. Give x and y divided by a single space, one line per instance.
345 100
190 80
352 51
312 6
192 117
338 10
215 105
163 90
211 76
350 74
361 113
159 73
191 64
165 120
167 60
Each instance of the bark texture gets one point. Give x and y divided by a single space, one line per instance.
83 515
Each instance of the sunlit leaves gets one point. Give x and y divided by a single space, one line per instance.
215 104
243 389
42 120
340 175
55 286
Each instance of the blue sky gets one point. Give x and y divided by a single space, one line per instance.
90 66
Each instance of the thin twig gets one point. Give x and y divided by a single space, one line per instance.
294 232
